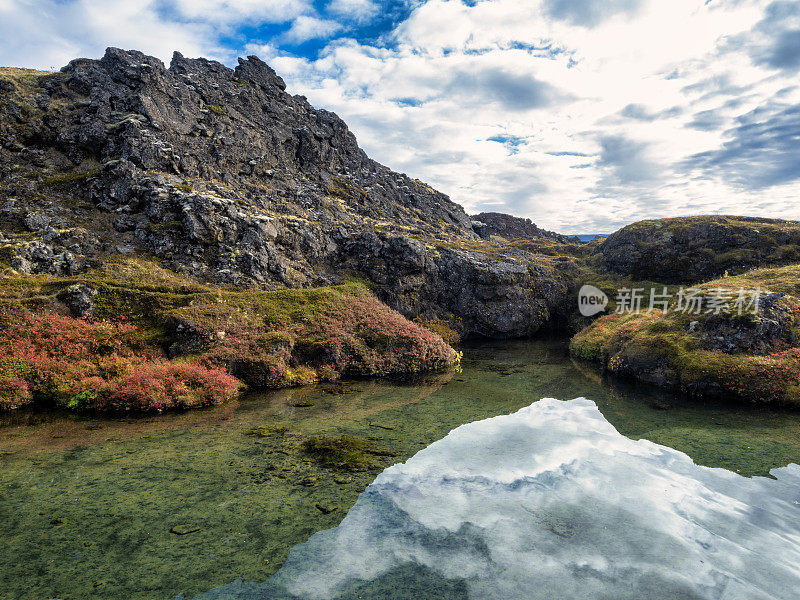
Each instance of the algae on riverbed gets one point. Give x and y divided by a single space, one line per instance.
79 498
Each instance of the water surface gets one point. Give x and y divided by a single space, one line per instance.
149 508
552 502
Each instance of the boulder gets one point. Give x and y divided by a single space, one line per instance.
79 298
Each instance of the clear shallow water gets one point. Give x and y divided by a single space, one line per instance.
87 505
552 502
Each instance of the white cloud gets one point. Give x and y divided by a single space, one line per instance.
47 34
309 28
359 11
603 116
236 11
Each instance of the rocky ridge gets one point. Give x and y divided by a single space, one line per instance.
487 224
222 174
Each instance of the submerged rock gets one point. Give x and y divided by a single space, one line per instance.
184 529
327 509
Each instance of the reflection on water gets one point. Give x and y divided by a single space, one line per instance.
79 497
552 502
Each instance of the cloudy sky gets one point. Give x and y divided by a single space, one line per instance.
583 115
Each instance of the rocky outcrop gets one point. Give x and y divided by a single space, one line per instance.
752 357
222 174
768 330
487 224
693 249
508 294
79 298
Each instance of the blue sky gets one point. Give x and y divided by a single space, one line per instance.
582 115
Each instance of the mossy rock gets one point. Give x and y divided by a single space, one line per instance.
750 358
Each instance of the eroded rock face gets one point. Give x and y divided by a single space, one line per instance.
506 295
222 174
689 250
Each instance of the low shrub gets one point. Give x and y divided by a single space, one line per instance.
292 337
100 365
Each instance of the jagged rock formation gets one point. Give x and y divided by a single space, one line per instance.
693 249
221 173
487 224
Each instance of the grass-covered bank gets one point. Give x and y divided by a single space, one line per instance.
131 336
749 357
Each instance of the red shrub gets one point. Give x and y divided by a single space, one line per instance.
162 385
366 337
14 392
97 365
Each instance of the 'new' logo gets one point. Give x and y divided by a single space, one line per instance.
591 301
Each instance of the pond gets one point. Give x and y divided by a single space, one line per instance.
590 492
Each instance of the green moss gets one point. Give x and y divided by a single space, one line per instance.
785 253
167 225
343 189
737 255
357 279
423 187
26 84
776 279
664 348
344 452
71 177
23 77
